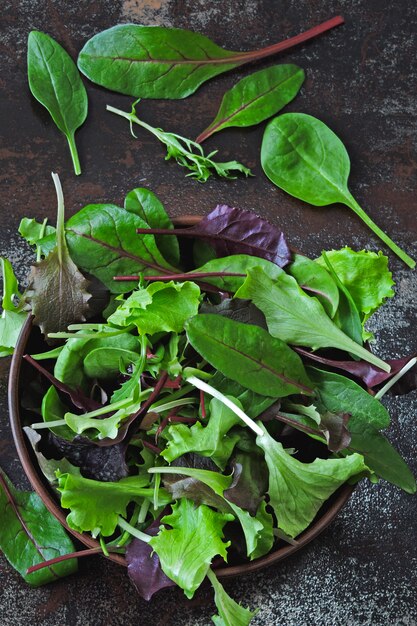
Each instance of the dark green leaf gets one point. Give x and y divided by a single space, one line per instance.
150 209
296 318
54 81
187 548
249 355
234 264
29 534
301 155
338 394
253 403
158 62
256 97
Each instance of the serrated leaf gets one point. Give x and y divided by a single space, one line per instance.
230 612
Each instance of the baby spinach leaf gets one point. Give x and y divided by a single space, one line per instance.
107 363
302 156
234 231
159 307
146 204
188 547
365 274
159 62
256 97
249 355
317 283
297 490
30 534
338 394
296 318
95 506
54 409
11 319
186 152
209 440
230 612
57 291
232 271
56 83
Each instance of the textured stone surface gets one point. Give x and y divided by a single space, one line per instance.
361 81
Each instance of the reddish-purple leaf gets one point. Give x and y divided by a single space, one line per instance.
231 230
144 567
371 375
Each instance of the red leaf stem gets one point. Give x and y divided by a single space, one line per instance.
63 557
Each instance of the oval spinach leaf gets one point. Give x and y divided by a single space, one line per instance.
56 83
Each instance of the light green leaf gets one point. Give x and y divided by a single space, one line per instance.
11 320
209 440
188 547
158 307
95 505
318 283
230 612
296 318
298 490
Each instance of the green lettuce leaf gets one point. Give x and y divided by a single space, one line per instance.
210 440
95 505
158 307
230 612
316 280
11 319
187 548
297 490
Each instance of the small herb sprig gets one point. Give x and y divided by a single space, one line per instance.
186 152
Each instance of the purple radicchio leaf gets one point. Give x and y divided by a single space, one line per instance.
334 427
143 565
107 464
231 230
371 375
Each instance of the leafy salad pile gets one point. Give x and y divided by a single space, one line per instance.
206 389
221 399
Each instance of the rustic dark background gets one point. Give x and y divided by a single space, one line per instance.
362 81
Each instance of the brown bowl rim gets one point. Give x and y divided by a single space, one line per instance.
338 499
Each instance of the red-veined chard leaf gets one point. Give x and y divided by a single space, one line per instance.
29 534
302 156
159 62
56 83
249 355
231 231
256 97
295 317
57 292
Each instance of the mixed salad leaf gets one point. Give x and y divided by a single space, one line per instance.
192 424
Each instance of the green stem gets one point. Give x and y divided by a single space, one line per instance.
74 154
52 424
133 531
351 202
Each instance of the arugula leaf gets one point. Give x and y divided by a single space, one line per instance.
211 440
30 534
298 490
249 355
144 203
188 547
296 318
57 291
316 282
256 97
56 83
95 506
158 307
338 394
230 612
365 274
11 319
186 152
301 155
